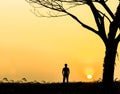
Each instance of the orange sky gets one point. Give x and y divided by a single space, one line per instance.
37 48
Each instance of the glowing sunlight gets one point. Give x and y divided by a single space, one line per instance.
89 76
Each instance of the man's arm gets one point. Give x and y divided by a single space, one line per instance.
63 71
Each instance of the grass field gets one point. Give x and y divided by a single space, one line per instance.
55 88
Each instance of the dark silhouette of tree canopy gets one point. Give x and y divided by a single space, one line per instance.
110 39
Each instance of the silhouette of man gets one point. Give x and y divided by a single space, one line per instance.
65 72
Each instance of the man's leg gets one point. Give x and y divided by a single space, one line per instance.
63 79
67 79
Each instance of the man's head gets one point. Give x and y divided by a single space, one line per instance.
65 65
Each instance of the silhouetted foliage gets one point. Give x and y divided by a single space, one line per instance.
24 79
5 79
110 39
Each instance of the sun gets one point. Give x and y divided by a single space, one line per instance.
89 76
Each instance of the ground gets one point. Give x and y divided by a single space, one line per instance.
55 88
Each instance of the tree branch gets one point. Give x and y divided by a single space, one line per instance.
118 38
107 8
53 5
99 19
115 24
58 6
84 25
105 16
95 12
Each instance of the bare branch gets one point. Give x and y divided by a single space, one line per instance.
50 14
51 4
95 12
102 30
56 3
84 25
107 8
59 5
118 38
99 19
82 1
115 24
105 16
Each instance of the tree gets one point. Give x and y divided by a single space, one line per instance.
111 39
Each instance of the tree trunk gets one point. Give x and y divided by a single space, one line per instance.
109 62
